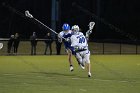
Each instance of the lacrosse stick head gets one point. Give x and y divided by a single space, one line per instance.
28 14
1 45
91 25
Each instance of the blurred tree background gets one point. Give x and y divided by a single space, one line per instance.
123 14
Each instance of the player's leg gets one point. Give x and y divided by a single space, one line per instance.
70 59
8 48
86 59
46 48
88 68
45 52
16 49
31 49
50 46
35 50
80 60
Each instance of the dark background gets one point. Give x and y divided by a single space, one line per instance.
115 19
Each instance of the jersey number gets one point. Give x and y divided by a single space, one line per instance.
82 40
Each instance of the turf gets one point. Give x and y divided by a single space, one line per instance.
50 74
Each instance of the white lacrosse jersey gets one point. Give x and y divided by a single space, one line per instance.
79 40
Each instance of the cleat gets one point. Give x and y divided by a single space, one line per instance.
82 66
89 74
71 68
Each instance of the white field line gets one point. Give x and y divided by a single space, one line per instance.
108 80
112 80
8 74
76 78
138 64
84 90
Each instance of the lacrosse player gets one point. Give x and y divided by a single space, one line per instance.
66 33
79 42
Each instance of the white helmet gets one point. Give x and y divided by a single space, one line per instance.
75 29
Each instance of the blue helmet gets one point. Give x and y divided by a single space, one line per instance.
65 27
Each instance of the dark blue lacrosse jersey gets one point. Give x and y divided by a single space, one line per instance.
67 44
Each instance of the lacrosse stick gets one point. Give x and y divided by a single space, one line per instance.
91 26
31 16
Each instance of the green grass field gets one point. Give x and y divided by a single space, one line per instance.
50 74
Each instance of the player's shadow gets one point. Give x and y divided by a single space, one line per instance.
53 74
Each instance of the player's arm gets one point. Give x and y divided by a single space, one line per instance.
75 44
60 35
74 41
88 34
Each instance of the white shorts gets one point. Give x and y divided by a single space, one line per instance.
83 56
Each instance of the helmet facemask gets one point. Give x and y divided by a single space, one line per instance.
75 29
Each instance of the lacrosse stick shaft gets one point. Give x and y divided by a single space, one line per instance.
30 16
45 26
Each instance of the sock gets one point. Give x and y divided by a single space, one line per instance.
70 65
